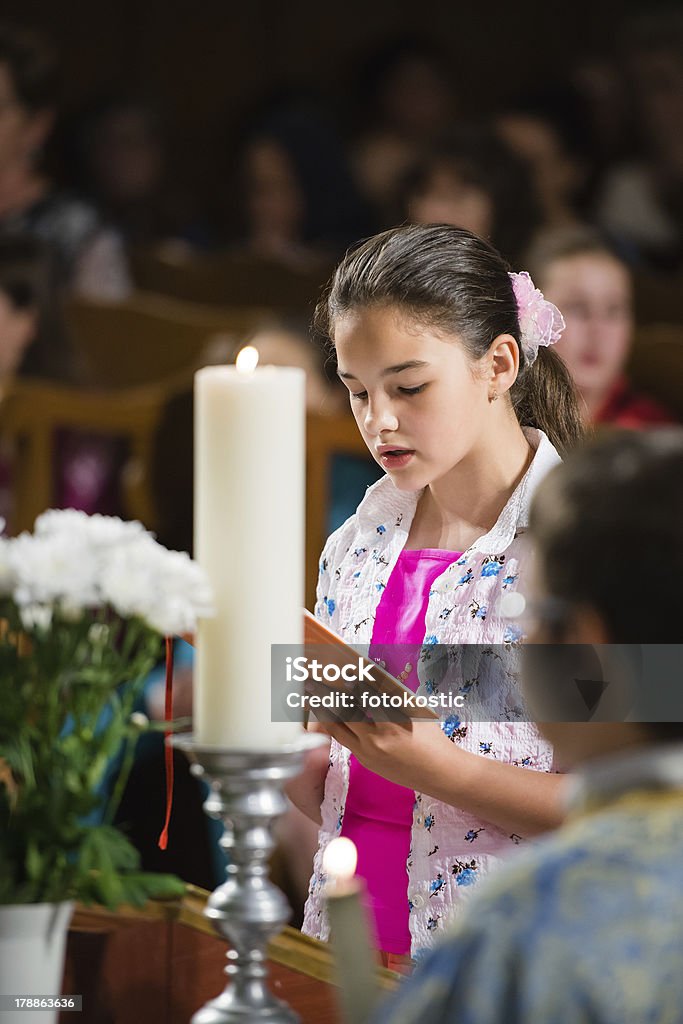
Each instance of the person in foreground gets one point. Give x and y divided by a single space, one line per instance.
461 401
588 926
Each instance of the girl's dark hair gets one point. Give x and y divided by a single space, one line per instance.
453 281
620 494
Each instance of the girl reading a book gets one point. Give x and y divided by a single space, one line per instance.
461 401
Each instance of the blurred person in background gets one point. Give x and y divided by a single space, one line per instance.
641 200
118 153
34 347
295 201
548 143
88 258
577 270
406 101
472 180
598 85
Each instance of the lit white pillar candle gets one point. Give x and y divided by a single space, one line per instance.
249 538
355 958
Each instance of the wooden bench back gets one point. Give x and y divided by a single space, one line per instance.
148 338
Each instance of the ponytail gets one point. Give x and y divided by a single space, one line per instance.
544 396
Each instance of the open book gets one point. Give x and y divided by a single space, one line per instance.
396 697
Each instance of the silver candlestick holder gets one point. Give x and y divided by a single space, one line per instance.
247 910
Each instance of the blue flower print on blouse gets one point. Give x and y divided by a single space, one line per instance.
450 725
381 530
330 605
492 565
512 635
465 872
429 822
436 885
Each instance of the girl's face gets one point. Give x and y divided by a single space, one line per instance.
593 292
416 397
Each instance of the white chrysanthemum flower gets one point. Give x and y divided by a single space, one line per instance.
165 588
60 520
50 569
186 595
98 530
75 562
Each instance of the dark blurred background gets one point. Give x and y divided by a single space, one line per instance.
209 62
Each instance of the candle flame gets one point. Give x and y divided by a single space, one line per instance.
247 359
340 859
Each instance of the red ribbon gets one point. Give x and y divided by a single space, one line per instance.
168 749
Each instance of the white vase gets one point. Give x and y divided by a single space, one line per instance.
32 946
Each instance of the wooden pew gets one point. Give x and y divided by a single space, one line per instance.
228 279
656 364
150 337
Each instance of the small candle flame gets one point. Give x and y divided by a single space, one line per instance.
247 359
340 859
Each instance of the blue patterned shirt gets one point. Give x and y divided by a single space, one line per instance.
587 927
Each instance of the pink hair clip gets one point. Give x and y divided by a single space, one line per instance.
540 321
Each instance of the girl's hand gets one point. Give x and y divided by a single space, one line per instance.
420 756
415 754
307 788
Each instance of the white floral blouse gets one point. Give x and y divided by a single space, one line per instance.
450 849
